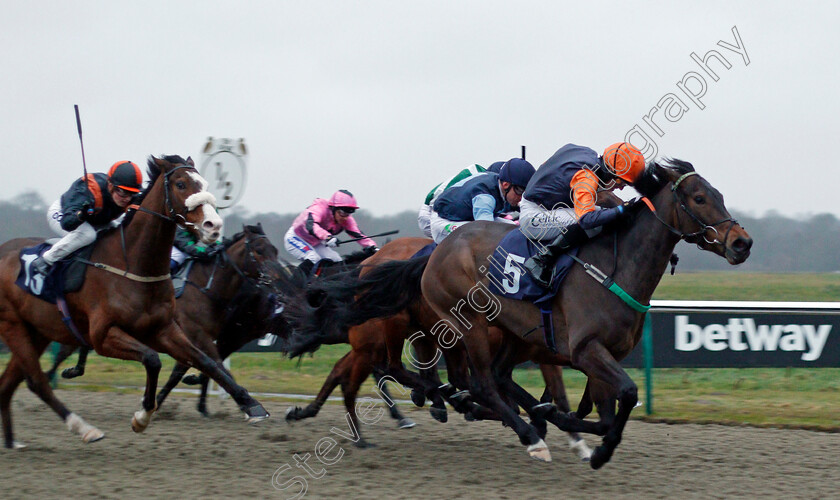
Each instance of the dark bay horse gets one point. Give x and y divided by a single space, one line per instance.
594 329
378 344
126 313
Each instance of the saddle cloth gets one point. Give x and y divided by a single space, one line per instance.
508 277
65 276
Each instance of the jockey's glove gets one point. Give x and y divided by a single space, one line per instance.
332 242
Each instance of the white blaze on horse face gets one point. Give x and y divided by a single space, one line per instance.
211 226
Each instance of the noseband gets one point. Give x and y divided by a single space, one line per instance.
693 237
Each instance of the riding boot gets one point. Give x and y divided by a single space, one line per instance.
541 266
306 268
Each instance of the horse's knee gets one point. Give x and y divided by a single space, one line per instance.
151 361
629 395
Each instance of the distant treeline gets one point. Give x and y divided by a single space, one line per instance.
781 244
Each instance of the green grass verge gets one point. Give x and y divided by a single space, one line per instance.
800 287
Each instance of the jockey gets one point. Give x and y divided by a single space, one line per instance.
559 202
424 216
312 235
89 206
186 246
480 197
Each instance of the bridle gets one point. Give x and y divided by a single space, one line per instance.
178 219
693 237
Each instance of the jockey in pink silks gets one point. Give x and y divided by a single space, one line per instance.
312 235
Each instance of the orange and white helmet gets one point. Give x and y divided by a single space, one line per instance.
625 161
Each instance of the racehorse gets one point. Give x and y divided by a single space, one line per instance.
378 345
593 328
126 307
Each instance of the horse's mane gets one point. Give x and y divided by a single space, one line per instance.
153 171
653 179
257 229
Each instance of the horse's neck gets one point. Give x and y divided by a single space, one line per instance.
645 249
226 281
149 238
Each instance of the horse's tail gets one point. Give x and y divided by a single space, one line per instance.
334 304
386 290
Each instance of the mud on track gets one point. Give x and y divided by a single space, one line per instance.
182 455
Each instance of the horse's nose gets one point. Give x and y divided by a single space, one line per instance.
742 245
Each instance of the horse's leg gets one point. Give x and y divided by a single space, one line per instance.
339 374
224 349
585 405
119 344
555 389
403 422
178 371
27 349
485 389
172 341
359 372
597 362
79 369
12 377
63 353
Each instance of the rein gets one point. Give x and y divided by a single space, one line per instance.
703 226
611 285
171 218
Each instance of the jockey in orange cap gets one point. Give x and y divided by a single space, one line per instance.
89 206
559 203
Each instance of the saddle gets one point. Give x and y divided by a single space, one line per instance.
65 276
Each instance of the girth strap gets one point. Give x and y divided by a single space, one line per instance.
124 273
611 285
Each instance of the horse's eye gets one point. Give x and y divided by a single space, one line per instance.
260 251
699 200
180 185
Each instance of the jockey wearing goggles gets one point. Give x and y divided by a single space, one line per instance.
312 236
484 196
90 205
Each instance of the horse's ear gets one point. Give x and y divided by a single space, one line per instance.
190 161
162 164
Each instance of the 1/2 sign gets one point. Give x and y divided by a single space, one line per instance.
223 166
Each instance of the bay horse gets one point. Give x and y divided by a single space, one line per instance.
378 345
126 307
593 328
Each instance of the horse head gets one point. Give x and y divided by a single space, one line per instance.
186 198
698 214
254 254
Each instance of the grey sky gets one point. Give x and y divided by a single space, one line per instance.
388 98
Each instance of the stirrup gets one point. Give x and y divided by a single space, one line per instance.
537 270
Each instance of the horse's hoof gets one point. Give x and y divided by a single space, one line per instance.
599 457
469 417
362 444
418 398
137 426
439 414
16 445
406 423
292 413
581 449
72 372
255 413
93 435
204 413
191 380
539 451
461 397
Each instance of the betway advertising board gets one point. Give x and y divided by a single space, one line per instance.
742 338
